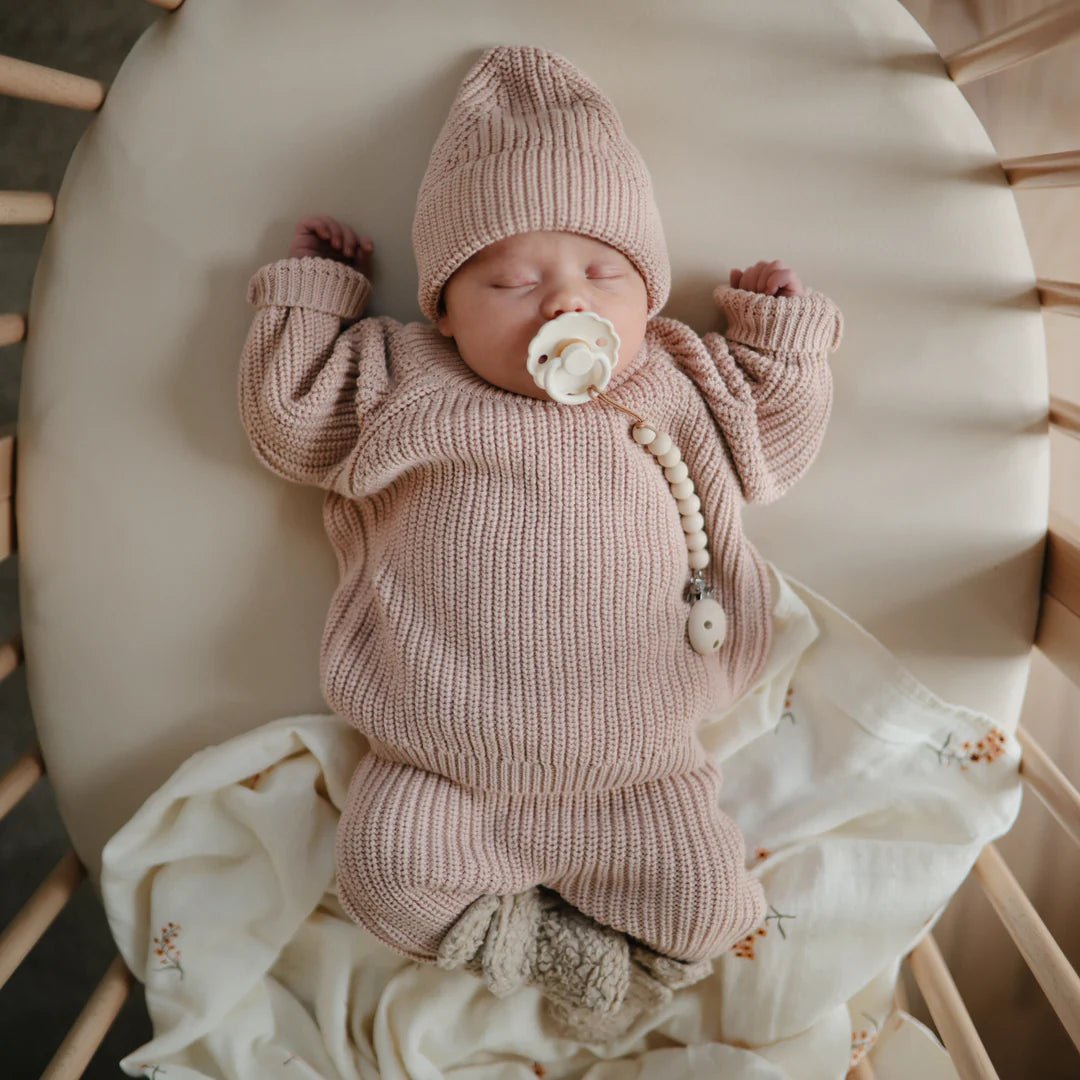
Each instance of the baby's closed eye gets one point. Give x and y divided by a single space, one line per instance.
603 273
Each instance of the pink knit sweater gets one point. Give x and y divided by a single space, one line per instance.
511 607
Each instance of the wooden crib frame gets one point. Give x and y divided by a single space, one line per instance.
1057 635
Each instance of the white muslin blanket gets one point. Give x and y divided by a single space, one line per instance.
864 799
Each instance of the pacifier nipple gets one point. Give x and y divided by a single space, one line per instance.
571 353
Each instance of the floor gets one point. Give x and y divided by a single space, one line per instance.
1031 109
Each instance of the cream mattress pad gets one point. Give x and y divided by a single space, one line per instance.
173 591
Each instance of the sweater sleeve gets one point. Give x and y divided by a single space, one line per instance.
306 386
769 386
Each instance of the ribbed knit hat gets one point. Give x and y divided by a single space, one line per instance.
532 144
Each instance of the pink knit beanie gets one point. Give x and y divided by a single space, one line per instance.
531 144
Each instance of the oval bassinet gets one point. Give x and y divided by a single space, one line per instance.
173 594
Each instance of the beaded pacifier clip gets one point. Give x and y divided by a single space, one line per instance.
571 358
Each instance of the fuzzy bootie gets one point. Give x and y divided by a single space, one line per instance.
653 980
535 938
595 982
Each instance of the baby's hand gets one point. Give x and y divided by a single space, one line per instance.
772 278
326 238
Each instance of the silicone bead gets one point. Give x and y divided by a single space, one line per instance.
691 504
677 472
693 523
699 560
682 489
672 457
643 435
695 541
661 444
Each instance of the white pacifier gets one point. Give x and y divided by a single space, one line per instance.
571 358
572 352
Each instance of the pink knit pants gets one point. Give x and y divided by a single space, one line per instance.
657 860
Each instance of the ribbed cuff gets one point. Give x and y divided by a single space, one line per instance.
804 324
311 282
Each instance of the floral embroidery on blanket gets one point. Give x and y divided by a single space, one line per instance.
861 1041
787 714
744 949
167 953
988 749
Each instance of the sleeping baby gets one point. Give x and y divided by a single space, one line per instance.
512 627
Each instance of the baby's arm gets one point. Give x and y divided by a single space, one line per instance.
304 385
770 386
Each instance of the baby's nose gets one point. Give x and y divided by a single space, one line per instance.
559 302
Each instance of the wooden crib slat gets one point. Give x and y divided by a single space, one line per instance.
7 527
1063 296
1065 416
1061 570
1044 170
1040 951
26 207
1058 636
38 913
7 462
1050 784
93 1023
1020 41
12 328
949 1012
21 79
11 656
20 778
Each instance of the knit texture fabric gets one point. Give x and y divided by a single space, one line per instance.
511 611
658 861
530 143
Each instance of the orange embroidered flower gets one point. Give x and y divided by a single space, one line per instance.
167 950
861 1042
988 749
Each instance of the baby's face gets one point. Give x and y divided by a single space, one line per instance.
498 300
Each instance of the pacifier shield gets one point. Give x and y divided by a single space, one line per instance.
572 352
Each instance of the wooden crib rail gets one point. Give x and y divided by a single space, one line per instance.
18 78
1058 632
1050 784
26 208
93 1023
1062 296
1065 416
1044 170
38 913
1041 952
35 917
12 328
20 778
946 1006
1016 43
